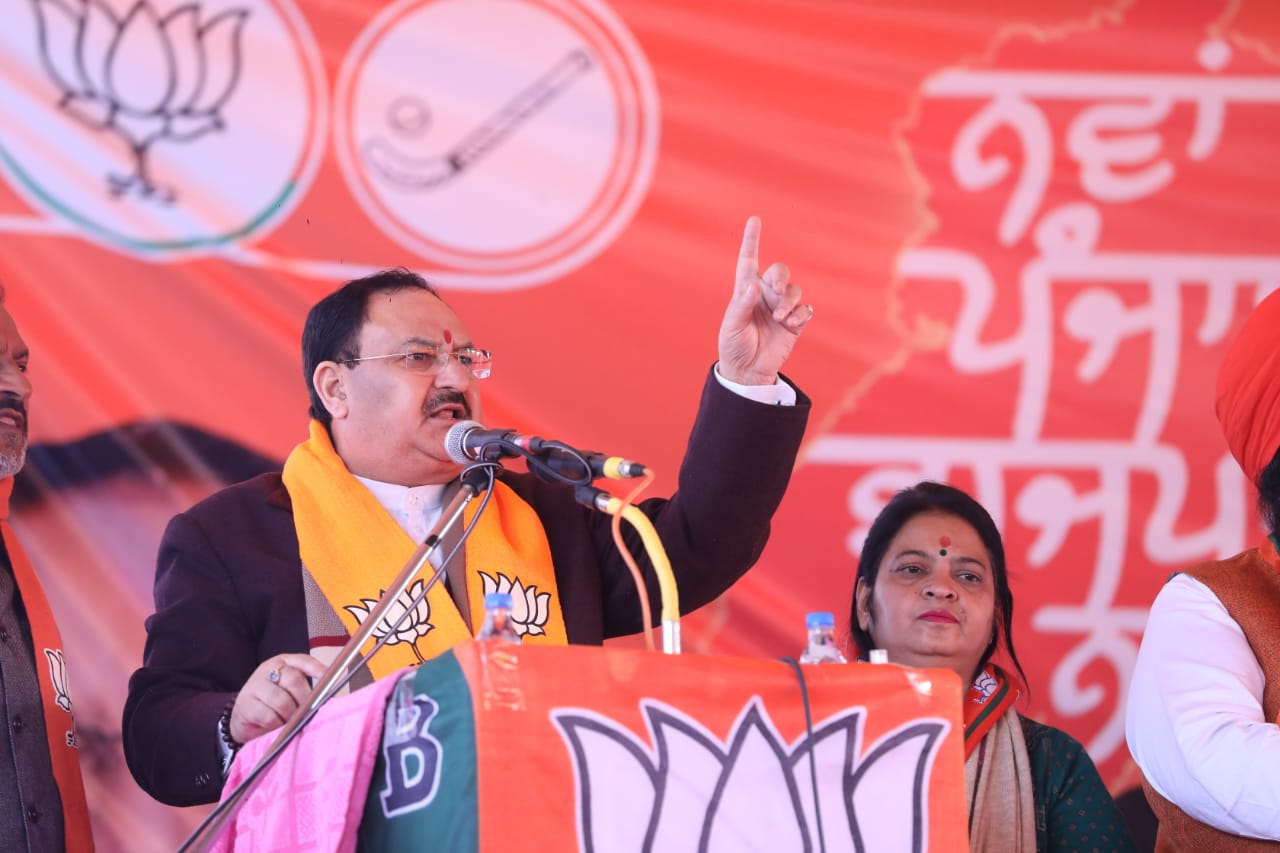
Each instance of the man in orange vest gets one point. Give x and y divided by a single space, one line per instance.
42 802
1205 695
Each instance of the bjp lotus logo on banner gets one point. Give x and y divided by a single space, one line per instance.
159 127
198 65
693 785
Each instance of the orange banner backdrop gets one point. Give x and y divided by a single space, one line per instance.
1029 230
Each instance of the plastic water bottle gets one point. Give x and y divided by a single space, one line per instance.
497 619
822 646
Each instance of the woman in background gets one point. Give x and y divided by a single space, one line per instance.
933 591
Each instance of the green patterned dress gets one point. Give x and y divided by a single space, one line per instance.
1074 810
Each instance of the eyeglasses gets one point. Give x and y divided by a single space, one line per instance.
478 362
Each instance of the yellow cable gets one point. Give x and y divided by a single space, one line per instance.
657 555
646 612
617 468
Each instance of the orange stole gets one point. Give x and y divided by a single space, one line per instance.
990 695
354 550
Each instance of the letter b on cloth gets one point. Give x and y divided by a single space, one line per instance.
412 757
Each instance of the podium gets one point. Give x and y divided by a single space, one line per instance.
498 747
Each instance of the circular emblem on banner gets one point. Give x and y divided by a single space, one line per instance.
160 126
506 141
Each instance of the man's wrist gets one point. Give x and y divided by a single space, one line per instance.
779 393
746 379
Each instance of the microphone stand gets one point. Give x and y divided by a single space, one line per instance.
472 479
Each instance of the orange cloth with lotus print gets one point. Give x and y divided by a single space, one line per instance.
633 750
991 695
354 550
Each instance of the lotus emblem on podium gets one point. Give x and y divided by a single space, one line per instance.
753 790
145 77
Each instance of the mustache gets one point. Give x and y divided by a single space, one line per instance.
447 397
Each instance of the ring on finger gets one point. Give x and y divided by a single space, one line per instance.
274 675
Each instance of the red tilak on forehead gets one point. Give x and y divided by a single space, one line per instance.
945 541
448 336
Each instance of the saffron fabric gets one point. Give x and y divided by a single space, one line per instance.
354 549
635 750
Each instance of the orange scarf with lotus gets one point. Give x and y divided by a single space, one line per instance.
990 695
354 549
59 725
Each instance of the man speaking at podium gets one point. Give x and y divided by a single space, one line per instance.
260 583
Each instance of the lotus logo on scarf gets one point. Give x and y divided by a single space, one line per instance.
58 675
528 606
691 791
406 619
985 684
193 68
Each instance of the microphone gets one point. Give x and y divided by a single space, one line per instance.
469 441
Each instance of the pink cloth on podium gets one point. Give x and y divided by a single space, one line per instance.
312 797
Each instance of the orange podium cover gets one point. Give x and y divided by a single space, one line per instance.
495 747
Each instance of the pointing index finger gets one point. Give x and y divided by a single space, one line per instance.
749 254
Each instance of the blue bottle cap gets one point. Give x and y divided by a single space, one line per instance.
497 599
820 619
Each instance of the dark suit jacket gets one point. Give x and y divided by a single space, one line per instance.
229 581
